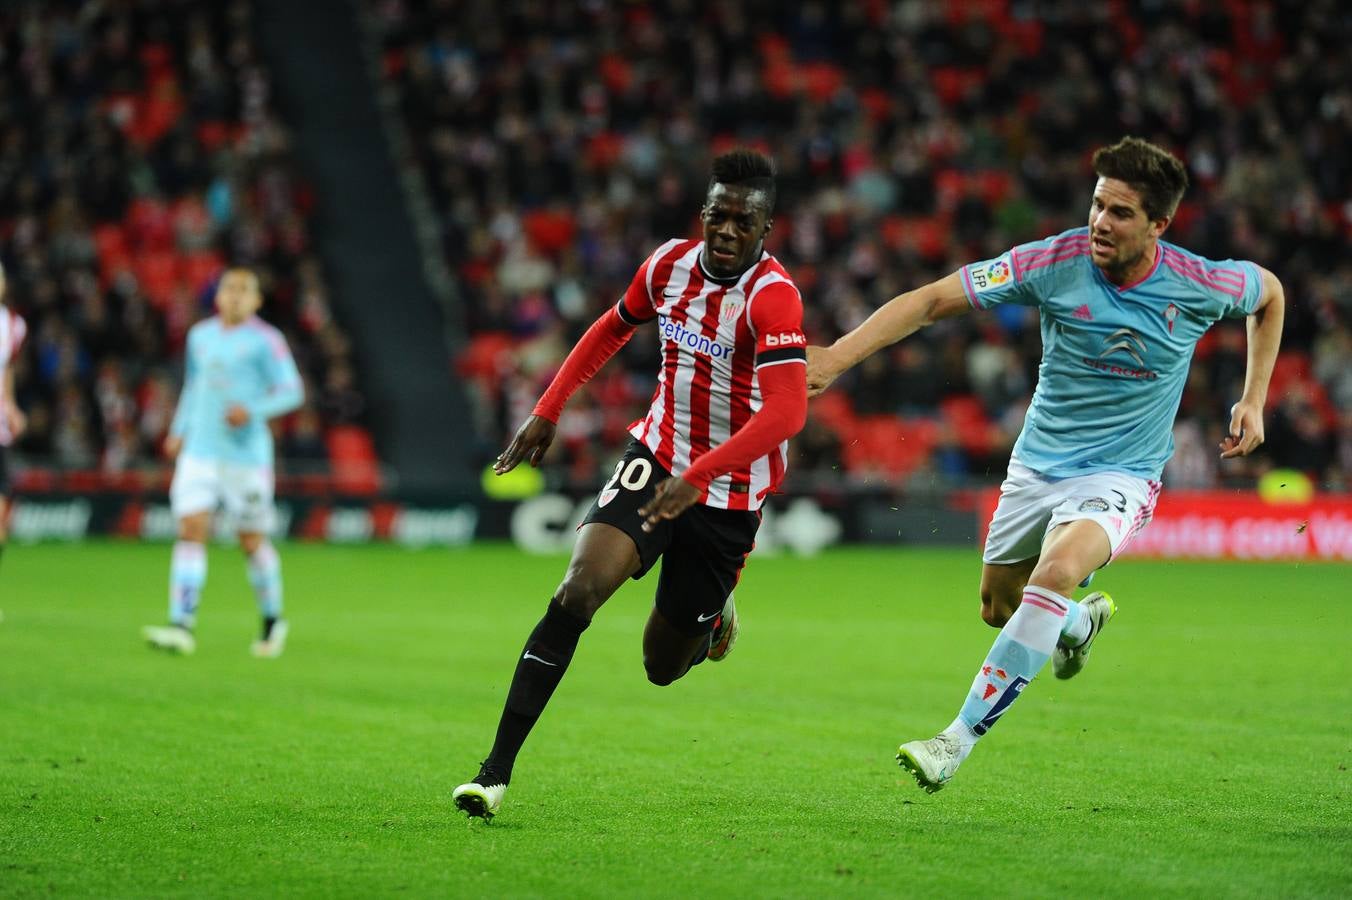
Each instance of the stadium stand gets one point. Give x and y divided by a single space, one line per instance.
561 142
141 151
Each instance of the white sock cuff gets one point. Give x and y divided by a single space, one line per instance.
189 551
265 558
189 561
1046 599
962 732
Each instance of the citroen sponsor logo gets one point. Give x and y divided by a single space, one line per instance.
1124 340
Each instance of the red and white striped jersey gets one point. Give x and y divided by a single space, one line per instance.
716 334
12 331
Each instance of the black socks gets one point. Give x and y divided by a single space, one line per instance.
545 658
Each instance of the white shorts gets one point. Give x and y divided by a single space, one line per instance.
201 485
1032 504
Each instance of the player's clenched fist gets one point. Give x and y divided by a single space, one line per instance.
821 370
532 440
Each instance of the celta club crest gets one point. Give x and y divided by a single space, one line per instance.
1170 313
1124 340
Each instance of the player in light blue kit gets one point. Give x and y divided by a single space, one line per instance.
239 374
1121 312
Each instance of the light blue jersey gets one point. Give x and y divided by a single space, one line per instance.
1114 359
248 364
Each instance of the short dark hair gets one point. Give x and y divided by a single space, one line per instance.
1151 171
753 170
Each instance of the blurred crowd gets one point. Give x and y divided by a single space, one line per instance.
140 154
563 141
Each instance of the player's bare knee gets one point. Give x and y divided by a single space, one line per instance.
580 596
250 543
1055 575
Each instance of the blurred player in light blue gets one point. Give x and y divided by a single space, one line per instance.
1122 312
238 375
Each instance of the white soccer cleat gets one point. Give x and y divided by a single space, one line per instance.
932 762
272 646
173 638
725 632
479 800
1068 661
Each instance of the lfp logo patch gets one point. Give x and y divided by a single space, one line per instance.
992 275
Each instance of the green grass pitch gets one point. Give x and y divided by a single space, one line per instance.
1203 752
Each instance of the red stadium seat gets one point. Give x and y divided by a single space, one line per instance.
887 445
110 240
200 269
968 418
157 273
352 456
485 356
833 408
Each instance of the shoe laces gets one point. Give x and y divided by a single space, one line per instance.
488 776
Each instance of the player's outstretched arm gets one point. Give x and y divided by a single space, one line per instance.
9 407
187 398
602 341
1265 337
894 320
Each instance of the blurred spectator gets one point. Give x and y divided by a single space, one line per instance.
911 137
140 153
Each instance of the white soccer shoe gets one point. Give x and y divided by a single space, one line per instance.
272 647
172 638
932 762
1068 661
725 632
479 800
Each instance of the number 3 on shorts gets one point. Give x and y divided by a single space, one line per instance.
631 476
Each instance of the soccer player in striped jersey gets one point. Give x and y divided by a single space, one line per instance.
1122 312
731 391
239 374
12 420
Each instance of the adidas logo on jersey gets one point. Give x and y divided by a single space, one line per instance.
1082 312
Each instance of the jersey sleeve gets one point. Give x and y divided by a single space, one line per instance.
187 396
1023 275
636 305
775 313
1234 287
18 330
285 390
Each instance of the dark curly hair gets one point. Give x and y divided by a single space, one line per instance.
749 168
1153 172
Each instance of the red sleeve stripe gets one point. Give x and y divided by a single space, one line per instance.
629 317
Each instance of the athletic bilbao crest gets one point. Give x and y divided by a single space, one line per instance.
729 311
1001 704
607 495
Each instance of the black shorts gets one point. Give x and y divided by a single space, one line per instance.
5 484
702 550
